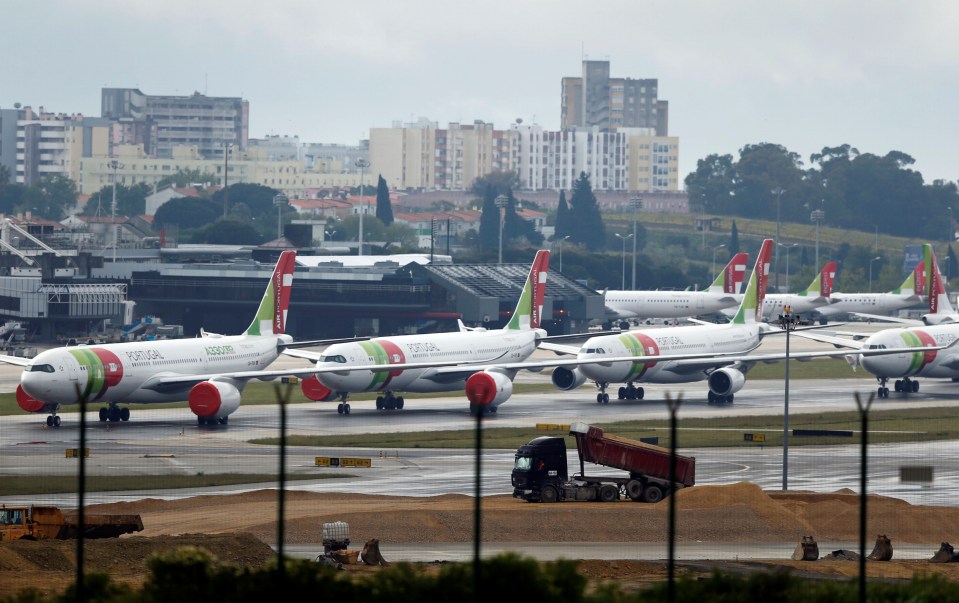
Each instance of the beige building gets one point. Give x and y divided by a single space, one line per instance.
421 156
254 166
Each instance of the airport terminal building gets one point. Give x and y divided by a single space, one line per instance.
219 288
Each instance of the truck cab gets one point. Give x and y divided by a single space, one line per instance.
541 462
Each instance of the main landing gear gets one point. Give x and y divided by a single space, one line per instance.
905 386
389 401
53 421
631 392
712 398
113 414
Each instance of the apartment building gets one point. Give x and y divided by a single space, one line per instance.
422 156
596 100
161 122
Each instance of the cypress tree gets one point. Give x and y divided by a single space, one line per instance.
585 220
489 221
384 209
562 227
734 240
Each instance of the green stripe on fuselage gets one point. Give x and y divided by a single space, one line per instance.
912 340
95 372
375 351
638 368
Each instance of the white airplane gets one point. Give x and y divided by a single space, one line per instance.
741 335
815 296
906 295
719 354
723 293
210 371
941 311
469 359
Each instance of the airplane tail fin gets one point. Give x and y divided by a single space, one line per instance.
730 280
911 284
938 299
751 308
919 278
822 284
270 317
527 314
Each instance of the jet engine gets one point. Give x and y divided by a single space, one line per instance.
726 381
488 389
30 404
567 379
214 401
937 319
316 391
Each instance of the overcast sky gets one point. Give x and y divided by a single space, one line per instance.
878 75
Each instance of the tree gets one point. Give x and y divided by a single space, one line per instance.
228 231
563 226
489 220
711 185
187 213
4 175
734 240
384 208
585 220
51 197
499 181
516 227
131 201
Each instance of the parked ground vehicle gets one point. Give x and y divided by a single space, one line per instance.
540 474
34 522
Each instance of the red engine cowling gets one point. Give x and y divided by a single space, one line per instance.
316 391
29 404
214 399
567 379
488 388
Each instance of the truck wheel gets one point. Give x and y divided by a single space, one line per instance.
634 489
653 494
608 493
548 494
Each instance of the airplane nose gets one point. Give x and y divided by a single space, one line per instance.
34 384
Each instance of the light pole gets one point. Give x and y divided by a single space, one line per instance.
715 249
501 202
226 166
787 248
636 203
362 163
114 164
878 257
818 216
279 200
787 321
561 252
623 286
778 191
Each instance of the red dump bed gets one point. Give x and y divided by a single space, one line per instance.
630 455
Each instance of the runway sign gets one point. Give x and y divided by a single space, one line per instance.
754 437
74 453
336 461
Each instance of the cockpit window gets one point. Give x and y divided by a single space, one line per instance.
337 358
42 368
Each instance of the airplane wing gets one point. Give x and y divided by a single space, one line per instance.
839 342
559 348
319 342
905 321
314 356
8 359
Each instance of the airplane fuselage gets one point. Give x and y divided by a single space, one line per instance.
869 303
928 363
717 339
119 372
469 346
666 304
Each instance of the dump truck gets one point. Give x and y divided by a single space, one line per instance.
35 522
540 473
